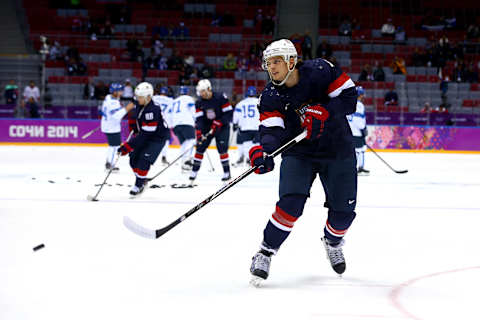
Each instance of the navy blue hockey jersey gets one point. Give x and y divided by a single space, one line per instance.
216 108
150 125
320 82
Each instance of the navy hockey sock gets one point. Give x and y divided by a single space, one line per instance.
225 162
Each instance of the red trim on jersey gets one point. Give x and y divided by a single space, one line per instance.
283 218
198 110
140 172
338 82
271 114
340 233
224 156
226 105
150 124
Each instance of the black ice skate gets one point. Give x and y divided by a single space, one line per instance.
137 191
164 161
363 172
335 255
260 267
187 166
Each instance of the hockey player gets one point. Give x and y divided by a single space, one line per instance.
314 96
247 118
213 117
358 125
112 113
152 132
165 102
182 115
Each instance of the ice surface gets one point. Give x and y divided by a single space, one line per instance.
412 252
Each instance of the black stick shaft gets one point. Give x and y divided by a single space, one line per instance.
386 163
162 231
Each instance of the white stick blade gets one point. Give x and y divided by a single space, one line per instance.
138 229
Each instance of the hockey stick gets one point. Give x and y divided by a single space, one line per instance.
212 169
94 198
396 171
155 234
89 133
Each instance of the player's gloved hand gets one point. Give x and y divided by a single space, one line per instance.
125 149
235 127
314 122
364 132
216 125
260 159
198 134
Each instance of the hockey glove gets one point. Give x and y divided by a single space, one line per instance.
364 132
314 122
198 134
125 149
260 159
235 127
216 125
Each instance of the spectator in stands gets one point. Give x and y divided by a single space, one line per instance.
230 62
127 94
459 72
89 90
101 90
206 72
254 63
11 93
106 31
345 28
92 29
444 85
366 74
162 63
471 75
55 52
398 66
388 29
378 73
158 46
268 25
391 98
31 97
47 98
181 32
400 34
426 108
256 49
444 106
134 48
151 62
324 50
307 44
259 17
174 62
242 63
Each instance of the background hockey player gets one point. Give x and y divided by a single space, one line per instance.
112 113
152 130
315 96
246 118
358 124
182 117
165 102
213 114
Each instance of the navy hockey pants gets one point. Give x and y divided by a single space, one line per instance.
142 158
222 140
339 180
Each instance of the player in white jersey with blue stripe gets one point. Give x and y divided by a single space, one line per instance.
358 125
246 118
112 113
165 102
182 117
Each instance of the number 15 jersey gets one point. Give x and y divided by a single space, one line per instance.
246 114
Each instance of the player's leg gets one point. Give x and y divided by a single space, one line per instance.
361 158
296 177
240 147
339 179
114 140
164 150
186 135
143 160
222 140
202 146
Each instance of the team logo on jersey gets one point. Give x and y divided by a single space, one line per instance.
210 114
149 116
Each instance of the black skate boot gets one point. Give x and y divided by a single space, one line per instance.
363 172
187 166
335 255
226 176
138 188
260 267
164 161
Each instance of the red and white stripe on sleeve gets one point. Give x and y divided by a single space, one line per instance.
149 126
227 107
341 83
272 119
198 113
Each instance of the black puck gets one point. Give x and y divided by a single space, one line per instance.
51 181
40 246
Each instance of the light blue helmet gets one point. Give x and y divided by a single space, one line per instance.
251 91
183 90
360 91
115 87
164 90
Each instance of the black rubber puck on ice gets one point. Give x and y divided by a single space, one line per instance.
51 181
40 246
33 178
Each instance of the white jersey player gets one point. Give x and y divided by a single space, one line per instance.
358 125
112 113
165 102
182 117
246 118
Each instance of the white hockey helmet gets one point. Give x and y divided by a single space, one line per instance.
281 48
203 84
144 89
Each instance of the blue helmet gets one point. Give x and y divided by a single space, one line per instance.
251 91
183 90
115 86
164 90
360 91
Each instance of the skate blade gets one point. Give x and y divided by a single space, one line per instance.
256 281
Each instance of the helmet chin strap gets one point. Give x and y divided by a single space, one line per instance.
284 80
